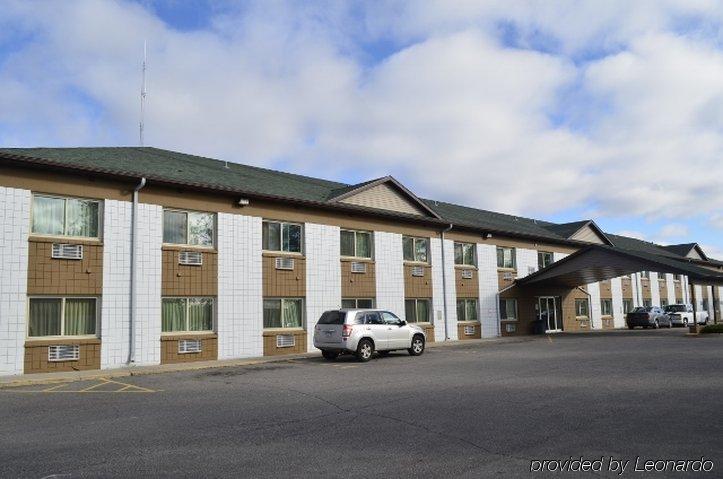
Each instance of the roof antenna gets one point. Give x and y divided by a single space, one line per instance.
143 95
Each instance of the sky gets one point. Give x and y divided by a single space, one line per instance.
558 110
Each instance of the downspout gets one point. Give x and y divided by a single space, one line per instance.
444 284
589 305
134 229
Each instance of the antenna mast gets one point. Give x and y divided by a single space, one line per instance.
143 94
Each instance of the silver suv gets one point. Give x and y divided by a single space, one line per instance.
363 331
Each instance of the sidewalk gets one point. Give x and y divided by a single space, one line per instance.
45 378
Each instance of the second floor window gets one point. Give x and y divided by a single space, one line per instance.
281 236
465 254
65 216
415 249
645 274
582 308
627 305
188 227
544 259
606 307
356 244
506 257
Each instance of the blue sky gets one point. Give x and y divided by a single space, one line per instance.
558 110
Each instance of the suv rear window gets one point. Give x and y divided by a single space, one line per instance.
675 308
332 317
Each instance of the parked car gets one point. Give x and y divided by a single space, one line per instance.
682 314
364 331
648 317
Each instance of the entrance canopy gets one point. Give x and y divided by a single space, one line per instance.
600 262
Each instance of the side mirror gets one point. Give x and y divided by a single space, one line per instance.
402 323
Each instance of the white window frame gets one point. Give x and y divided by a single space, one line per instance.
604 301
65 217
282 299
281 238
356 301
188 228
540 253
414 249
465 300
513 251
371 243
187 331
62 318
516 313
577 311
474 254
630 302
430 313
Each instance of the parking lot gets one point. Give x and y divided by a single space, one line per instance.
472 410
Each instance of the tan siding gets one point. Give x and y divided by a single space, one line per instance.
36 356
588 235
279 283
270 348
417 286
384 197
169 349
466 288
184 280
64 276
358 285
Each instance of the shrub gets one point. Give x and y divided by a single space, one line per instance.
712 328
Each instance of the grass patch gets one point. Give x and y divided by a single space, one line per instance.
712 328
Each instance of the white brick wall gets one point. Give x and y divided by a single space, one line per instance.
239 315
389 261
488 287
616 287
595 307
709 295
636 289
451 290
323 274
526 262
670 288
115 304
686 289
654 289
14 229
435 247
148 292
698 297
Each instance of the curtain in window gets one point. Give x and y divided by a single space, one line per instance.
420 249
200 229
291 314
422 311
364 303
408 248
347 243
458 253
410 310
48 215
173 315
500 258
291 238
471 310
79 317
272 313
44 317
174 227
469 254
460 310
200 314
364 245
271 236
82 218
348 303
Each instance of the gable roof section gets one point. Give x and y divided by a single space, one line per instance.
689 250
384 193
586 231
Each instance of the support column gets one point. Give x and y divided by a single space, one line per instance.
323 274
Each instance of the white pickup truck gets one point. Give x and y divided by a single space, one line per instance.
682 314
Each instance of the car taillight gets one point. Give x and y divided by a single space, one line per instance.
346 331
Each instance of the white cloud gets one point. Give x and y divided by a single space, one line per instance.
672 231
631 234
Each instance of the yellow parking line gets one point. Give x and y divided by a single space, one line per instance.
133 386
53 388
90 388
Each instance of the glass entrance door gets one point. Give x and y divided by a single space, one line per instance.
547 312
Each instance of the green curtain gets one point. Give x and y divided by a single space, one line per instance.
461 311
471 310
200 314
200 229
272 313
420 249
174 227
458 254
500 258
364 245
348 303
410 310
291 313
48 215
408 248
271 236
79 317
173 314
469 254
347 243
44 317
364 303
82 218
422 311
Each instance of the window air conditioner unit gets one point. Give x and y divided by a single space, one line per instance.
63 352
466 274
418 271
186 346
190 258
285 341
469 330
285 263
67 251
508 276
357 267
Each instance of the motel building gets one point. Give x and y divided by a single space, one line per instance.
113 257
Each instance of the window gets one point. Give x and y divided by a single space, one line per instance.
678 300
65 216
627 305
606 307
508 309
389 318
465 254
279 236
705 304
62 317
415 249
183 315
661 276
283 313
544 259
647 303
357 303
582 308
506 257
188 227
467 310
663 303
417 310
677 277
371 317
356 244
645 274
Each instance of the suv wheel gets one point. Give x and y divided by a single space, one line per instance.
329 355
364 350
417 346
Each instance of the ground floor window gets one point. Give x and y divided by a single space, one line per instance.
678 300
418 310
283 313
663 302
582 308
647 303
467 309
185 315
627 305
705 304
508 309
62 316
357 303
606 307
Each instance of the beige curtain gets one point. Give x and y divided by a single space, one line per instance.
44 317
